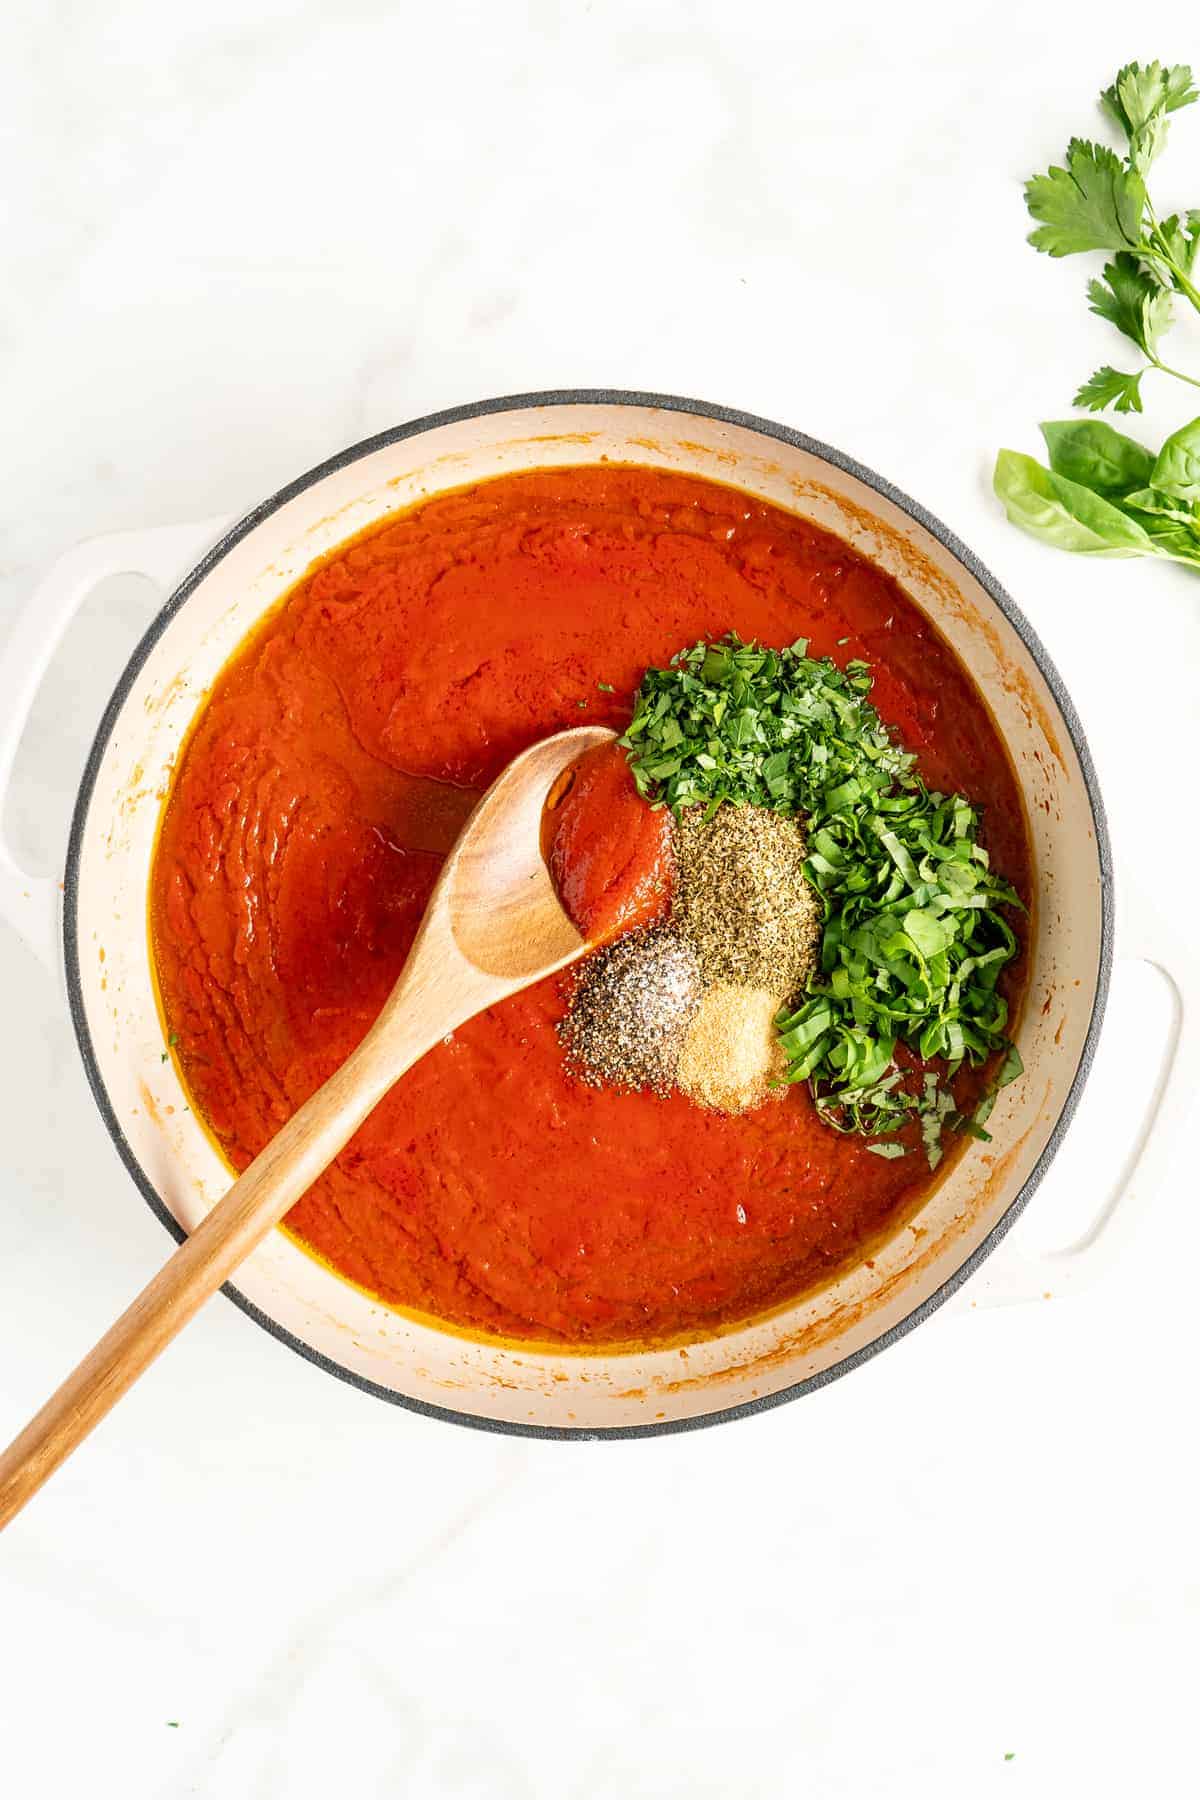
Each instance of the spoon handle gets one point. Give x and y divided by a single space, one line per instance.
260 1197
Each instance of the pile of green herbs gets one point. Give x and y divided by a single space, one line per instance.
1104 494
914 937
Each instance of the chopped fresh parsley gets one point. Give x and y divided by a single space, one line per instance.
914 938
606 687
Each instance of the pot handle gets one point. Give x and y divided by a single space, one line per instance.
1146 933
31 904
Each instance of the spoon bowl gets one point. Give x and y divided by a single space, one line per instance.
499 901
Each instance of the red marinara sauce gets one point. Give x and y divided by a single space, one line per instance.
609 852
323 782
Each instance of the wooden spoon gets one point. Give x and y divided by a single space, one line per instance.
494 925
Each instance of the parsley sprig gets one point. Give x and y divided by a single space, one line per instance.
1099 201
914 940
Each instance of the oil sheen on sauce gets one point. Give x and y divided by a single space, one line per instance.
325 779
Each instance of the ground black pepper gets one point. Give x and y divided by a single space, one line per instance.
630 1011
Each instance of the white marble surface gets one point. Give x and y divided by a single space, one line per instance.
236 240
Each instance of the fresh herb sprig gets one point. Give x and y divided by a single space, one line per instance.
1104 494
914 940
1100 202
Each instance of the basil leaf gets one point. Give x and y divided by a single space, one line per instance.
1149 500
1091 453
1177 470
1170 538
1064 513
929 933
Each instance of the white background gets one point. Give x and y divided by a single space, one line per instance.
236 239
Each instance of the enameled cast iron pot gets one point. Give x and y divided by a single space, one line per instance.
104 908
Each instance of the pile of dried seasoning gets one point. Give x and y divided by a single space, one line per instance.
732 1059
631 1009
742 898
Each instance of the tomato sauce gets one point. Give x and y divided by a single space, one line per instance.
609 853
322 784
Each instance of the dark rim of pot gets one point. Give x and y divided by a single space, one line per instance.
670 403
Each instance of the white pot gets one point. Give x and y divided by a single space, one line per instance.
107 961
